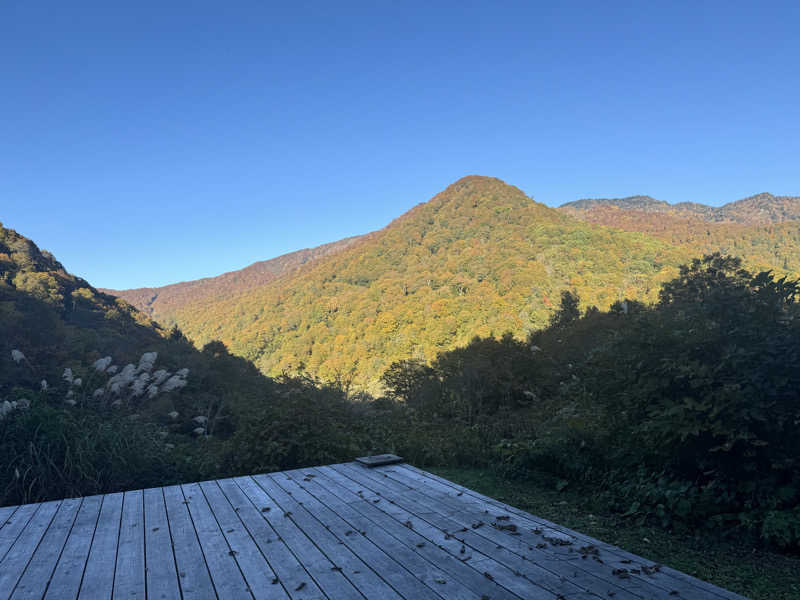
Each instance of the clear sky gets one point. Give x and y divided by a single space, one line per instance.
151 142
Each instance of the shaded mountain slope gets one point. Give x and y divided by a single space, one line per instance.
49 313
51 320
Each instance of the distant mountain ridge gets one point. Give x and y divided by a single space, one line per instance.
629 202
160 302
760 209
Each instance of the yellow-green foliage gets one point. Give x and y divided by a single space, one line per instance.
761 246
480 258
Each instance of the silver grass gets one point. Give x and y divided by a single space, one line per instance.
101 364
147 361
173 383
160 376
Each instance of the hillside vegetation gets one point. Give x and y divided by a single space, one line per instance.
762 245
761 209
480 258
96 397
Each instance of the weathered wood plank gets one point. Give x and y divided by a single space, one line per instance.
66 580
353 568
6 512
378 460
595 574
618 552
453 568
523 550
494 556
436 530
98 577
425 561
258 574
290 573
16 560
193 575
161 572
534 549
228 579
482 556
33 582
129 580
14 525
332 583
362 542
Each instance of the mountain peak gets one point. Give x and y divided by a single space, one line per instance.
476 180
478 188
763 208
479 184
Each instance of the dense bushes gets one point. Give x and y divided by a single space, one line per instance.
704 387
686 411
51 452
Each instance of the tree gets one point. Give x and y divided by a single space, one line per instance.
569 311
412 382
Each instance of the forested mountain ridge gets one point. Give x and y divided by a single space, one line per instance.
161 303
479 258
749 231
764 229
629 202
760 209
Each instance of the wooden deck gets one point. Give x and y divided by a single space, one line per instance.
340 531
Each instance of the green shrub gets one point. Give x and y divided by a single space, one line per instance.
52 453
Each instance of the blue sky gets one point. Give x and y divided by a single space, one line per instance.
151 142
